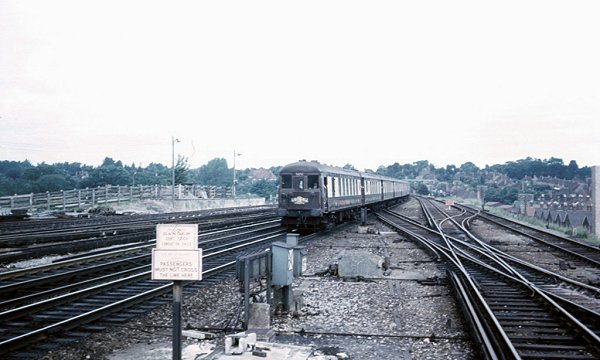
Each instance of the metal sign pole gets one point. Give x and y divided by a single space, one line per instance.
177 300
177 257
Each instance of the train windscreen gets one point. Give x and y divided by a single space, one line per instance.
286 181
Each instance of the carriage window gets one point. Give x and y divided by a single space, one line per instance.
346 188
286 181
299 183
335 187
313 181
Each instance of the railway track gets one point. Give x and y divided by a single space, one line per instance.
545 239
516 310
52 301
35 240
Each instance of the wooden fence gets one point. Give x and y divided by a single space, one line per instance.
69 200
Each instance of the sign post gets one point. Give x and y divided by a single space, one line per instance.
177 257
177 300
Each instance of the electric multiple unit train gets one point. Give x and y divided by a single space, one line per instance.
313 195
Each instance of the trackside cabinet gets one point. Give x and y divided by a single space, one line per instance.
300 260
299 254
283 263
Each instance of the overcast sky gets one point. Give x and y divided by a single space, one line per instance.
365 83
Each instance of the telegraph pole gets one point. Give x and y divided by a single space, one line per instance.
233 185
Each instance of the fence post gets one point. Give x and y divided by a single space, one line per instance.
12 202
48 200
64 200
78 199
106 194
31 201
93 197
119 194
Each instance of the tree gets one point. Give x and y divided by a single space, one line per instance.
263 188
421 189
181 170
53 182
215 173
572 170
445 174
556 168
7 185
503 195
109 173
469 168
153 174
14 169
34 173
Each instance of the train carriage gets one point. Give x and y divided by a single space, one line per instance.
313 195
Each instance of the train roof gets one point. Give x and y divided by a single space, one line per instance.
314 166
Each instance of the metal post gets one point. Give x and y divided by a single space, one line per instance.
269 277
177 299
233 185
173 140
363 216
246 292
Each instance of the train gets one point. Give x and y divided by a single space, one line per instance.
317 196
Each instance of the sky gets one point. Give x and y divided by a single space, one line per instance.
366 83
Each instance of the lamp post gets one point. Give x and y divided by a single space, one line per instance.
233 185
173 140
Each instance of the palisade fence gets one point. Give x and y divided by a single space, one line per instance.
70 200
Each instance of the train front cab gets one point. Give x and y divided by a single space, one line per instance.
300 200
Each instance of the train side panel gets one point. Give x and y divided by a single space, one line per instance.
372 190
343 192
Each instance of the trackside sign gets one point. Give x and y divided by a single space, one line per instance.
177 236
177 265
176 256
